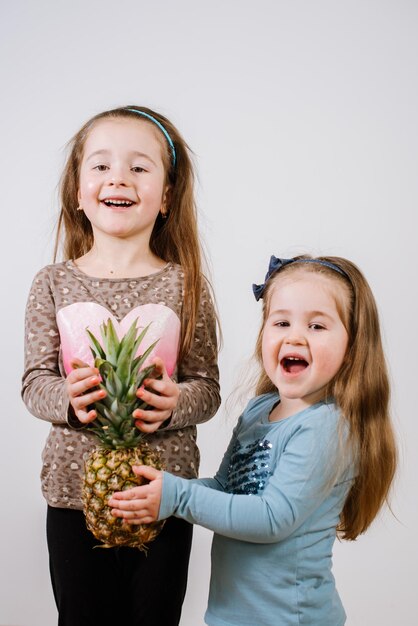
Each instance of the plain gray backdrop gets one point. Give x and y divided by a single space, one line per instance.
302 116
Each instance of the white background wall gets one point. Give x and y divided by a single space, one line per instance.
303 119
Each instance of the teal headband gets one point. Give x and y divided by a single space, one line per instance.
162 129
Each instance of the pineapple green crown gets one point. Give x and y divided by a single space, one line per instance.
121 376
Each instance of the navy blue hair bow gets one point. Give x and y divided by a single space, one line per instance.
276 264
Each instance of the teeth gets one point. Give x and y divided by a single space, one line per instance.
118 202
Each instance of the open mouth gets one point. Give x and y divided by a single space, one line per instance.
293 364
119 204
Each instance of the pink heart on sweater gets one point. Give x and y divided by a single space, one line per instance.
73 320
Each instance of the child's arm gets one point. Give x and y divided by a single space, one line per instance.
45 390
299 485
198 375
142 504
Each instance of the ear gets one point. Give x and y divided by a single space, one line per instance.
166 200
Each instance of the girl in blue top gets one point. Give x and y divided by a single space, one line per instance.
312 455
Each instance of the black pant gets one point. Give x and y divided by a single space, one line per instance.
112 586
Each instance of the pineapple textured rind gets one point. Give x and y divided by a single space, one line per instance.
117 465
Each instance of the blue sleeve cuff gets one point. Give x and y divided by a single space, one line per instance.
168 496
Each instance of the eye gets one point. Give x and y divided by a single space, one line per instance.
137 169
101 167
316 326
282 324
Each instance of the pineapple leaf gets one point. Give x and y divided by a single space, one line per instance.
130 345
96 430
110 382
119 386
96 348
143 374
131 393
128 341
104 367
101 425
98 361
144 356
124 367
103 332
115 406
113 385
140 338
113 344
132 434
107 415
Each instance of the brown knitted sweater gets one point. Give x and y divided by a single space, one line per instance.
59 286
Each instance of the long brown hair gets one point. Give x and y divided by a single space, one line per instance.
360 389
173 239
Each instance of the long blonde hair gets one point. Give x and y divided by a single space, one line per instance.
360 389
173 239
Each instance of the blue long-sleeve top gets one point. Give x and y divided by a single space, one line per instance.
274 505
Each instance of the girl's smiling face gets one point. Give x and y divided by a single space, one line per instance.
122 185
304 340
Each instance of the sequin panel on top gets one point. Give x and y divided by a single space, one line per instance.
249 468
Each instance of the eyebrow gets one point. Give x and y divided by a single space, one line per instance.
310 313
135 153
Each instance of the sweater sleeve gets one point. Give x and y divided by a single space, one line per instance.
301 481
43 387
198 375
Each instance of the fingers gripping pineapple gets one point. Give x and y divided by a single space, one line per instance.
122 445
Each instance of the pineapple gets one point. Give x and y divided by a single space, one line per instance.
109 467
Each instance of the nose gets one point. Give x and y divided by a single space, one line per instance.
118 176
117 181
295 338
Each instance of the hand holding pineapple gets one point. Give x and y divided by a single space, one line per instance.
161 393
140 505
81 385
